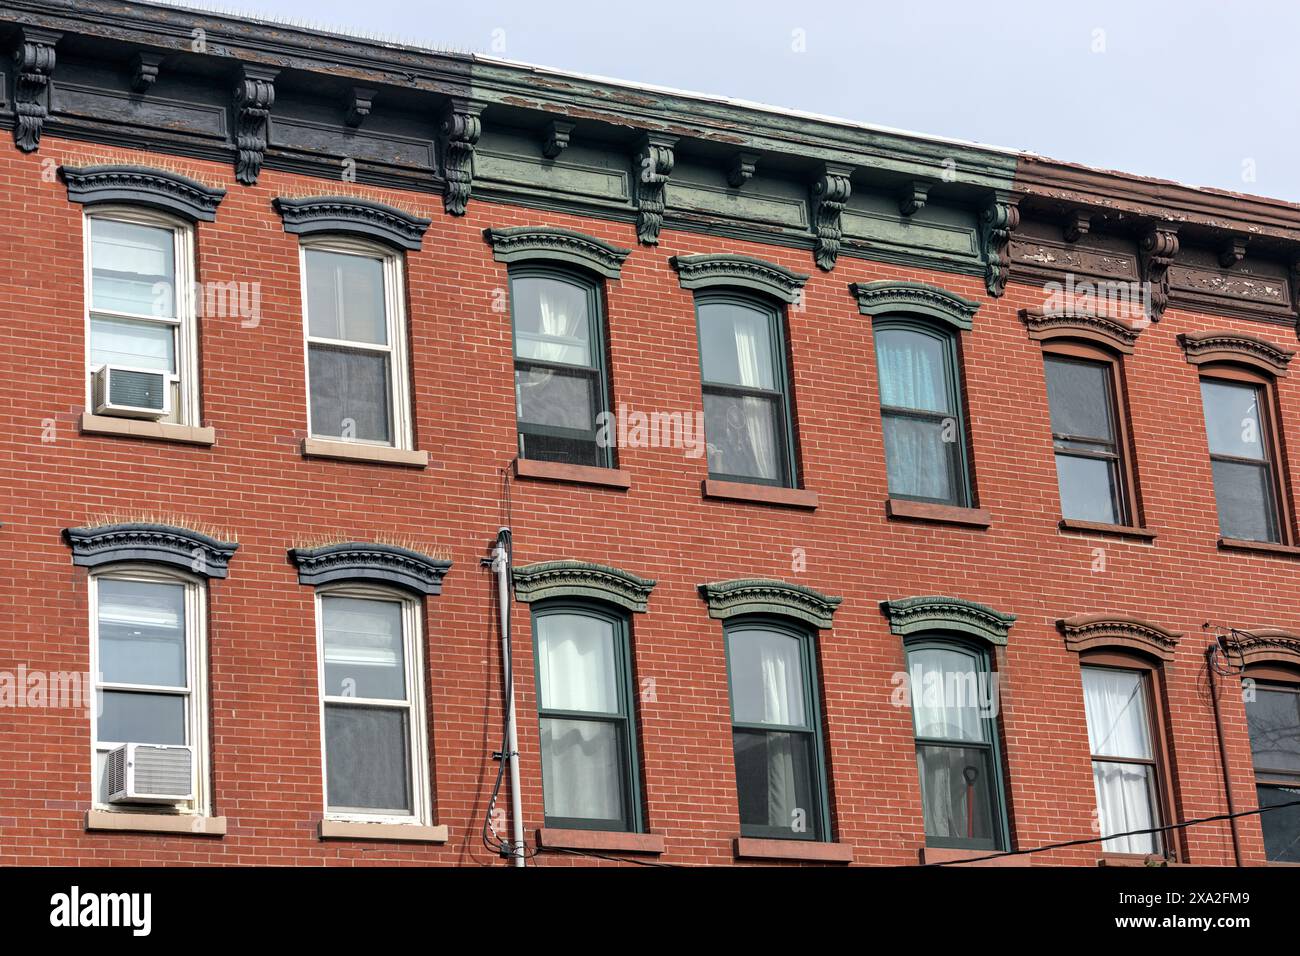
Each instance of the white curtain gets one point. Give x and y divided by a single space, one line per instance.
560 321
911 376
779 664
1118 726
946 693
1124 804
757 411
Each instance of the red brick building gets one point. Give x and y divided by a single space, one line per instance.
295 322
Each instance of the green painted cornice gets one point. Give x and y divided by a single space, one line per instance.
746 272
727 599
918 298
581 579
551 243
919 615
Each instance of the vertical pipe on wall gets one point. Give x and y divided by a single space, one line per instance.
501 567
1213 674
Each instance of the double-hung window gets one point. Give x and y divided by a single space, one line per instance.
776 731
1241 436
357 373
590 774
149 657
140 318
1273 717
747 422
372 705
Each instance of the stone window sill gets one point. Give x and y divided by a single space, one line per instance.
937 854
1261 547
942 514
760 494
599 841
388 832
356 451
144 428
1097 527
179 824
807 851
573 474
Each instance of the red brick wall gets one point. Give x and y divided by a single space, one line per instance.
255 483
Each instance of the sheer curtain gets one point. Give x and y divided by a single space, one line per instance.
945 706
559 321
1118 726
757 411
779 665
911 376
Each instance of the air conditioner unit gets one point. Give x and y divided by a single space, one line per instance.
150 773
133 392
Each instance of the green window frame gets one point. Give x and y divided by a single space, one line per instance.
956 465
783 462
747 735
986 748
627 815
562 443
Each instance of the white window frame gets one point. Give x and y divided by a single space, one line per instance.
415 705
186 411
196 670
399 387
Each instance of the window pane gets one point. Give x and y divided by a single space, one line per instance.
1079 394
557 399
126 718
1244 496
1274 721
1088 488
767 678
950 691
743 436
1232 419
576 664
1116 708
345 297
133 268
349 394
147 345
582 769
363 648
1281 827
367 758
913 370
141 633
919 462
552 321
567 451
775 774
736 345
957 792
1126 801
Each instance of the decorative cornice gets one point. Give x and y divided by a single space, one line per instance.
581 579
140 185
144 70
346 214
1090 632
461 128
383 563
153 543
556 138
1204 347
360 101
919 615
726 269
998 220
742 169
652 165
1267 645
1105 331
1232 250
1077 224
34 61
521 243
254 96
727 599
888 295
1156 251
830 194
913 195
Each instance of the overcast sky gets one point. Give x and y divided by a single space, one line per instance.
1198 91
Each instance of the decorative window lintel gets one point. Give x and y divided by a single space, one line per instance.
143 186
1267 645
582 579
553 244
920 298
381 563
736 271
1088 632
727 599
1204 347
182 548
1104 331
350 215
917 615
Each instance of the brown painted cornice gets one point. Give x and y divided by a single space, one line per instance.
1097 632
1202 348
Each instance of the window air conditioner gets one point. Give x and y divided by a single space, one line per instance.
150 773
133 392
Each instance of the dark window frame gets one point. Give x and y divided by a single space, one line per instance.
1273 677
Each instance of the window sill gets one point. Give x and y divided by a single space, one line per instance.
355 451
936 854
600 841
760 494
388 832
1098 527
180 824
942 514
807 851
1263 547
144 428
574 474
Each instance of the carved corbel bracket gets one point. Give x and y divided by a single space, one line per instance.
461 127
830 194
913 195
33 66
254 95
1232 251
1077 224
742 169
360 102
144 70
1156 252
654 164
556 138
998 220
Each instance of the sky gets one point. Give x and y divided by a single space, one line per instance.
1203 92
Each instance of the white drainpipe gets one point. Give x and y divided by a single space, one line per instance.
501 567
